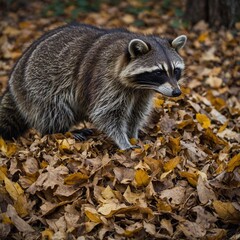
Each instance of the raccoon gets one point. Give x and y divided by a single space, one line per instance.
79 73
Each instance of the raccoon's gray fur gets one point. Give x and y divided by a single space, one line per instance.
80 72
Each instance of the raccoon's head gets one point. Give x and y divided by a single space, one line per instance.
154 63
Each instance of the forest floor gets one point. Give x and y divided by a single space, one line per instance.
184 181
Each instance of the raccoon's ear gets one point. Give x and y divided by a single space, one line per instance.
137 47
179 42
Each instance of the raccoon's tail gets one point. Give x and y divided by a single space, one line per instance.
12 124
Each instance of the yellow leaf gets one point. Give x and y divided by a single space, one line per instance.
217 102
146 146
185 123
163 206
202 38
3 172
75 178
212 137
175 144
171 164
203 120
43 164
233 163
7 149
220 168
64 145
158 102
3 146
47 234
226 211
223 127
133 141
185 90
92 214
191 177
13 189
21 206
26 24
5 219
141 178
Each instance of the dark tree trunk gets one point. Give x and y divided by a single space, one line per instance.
215 12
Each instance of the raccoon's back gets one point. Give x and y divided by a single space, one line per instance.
50 63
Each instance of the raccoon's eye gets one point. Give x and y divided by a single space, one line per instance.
177 73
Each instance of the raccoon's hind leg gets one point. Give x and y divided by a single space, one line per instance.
12 124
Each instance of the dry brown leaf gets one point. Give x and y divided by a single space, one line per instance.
204 190
92 214
90 226
229 135
108 193
132 229
175 195
75 178
167 124
124 175
134 198
192 230
217 234
149 228
218 116
214 82
31 166
166 224
49 179
109 208
226 211
18 222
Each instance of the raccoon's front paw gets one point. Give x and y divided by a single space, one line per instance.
132 147
81 134
135 147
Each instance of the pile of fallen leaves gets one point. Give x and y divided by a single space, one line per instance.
184 181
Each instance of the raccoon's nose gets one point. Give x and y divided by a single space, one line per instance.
176 92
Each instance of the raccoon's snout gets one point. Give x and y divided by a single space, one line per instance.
176 92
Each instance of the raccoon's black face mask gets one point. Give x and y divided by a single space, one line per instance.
166 69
